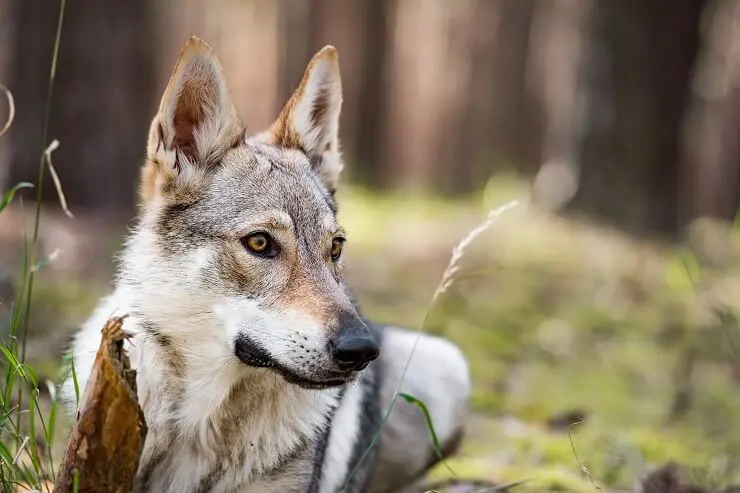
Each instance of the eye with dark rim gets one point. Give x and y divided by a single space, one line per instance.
261 244
336 248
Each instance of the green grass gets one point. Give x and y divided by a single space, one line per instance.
28 424
565 316
23 464
21 416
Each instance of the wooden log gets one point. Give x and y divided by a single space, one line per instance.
108 435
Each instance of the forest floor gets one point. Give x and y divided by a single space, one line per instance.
562 322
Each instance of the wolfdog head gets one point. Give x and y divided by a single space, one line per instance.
237 256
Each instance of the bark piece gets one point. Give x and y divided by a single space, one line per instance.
108 435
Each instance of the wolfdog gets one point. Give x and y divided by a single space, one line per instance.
256 371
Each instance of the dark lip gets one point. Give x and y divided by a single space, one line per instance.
306 383
253 355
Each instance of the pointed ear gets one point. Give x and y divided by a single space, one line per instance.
196 122
310 119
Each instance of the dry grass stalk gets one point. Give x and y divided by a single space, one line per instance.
584 469
57 183
448 276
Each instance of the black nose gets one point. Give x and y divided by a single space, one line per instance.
353 353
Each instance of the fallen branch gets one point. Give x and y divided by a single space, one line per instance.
471 486
104 448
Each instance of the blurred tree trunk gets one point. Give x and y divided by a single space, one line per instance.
476 135
639 62
8 16
493 121
453 175
103 98
413 105
515 116
710 174
246 36
295 30
423 110
709 178
373 91
558 38
357 29
24 68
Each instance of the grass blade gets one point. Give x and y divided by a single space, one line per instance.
29 278
13 472
33 449
8 196
428 418
76 385
49 435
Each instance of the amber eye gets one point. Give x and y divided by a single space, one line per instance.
336 248
261 244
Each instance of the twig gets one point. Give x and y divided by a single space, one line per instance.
57 183
11 109
584 469
20 450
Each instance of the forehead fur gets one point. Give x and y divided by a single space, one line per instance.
256 177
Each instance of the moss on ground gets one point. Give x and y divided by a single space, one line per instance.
564 318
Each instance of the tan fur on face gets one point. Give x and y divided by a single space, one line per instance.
147 182
304 297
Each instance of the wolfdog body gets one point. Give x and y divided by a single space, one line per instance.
255 370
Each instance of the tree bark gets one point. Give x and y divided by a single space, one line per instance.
556 51
373 93
105 446
710 174
102 104
8 16
640 59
